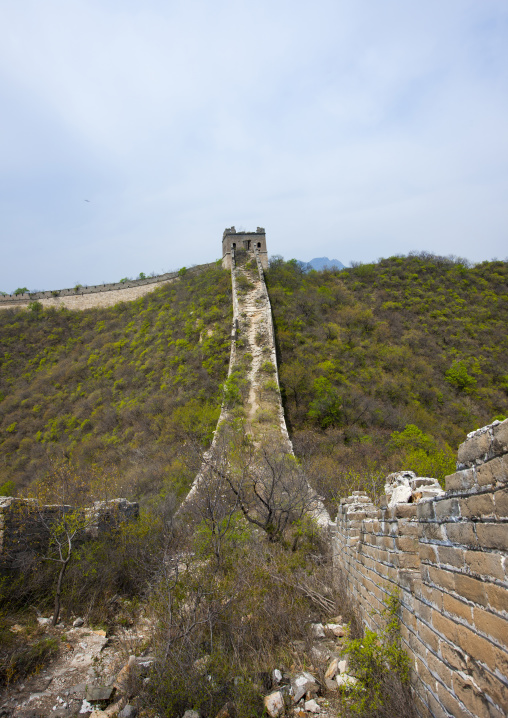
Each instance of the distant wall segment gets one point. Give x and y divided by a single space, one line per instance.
101 295
448 558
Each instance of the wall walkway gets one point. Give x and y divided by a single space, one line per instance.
254 361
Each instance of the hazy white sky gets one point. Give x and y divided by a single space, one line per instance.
352 129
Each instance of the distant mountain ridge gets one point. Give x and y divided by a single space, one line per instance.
319 263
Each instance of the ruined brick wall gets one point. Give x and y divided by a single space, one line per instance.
102 295
448 557
24 526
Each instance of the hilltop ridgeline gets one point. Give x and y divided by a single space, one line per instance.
380 365
388 365
117 386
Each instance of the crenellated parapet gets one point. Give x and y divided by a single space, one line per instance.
100 295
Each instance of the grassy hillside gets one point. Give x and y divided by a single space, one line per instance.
115 387
387 366
383 366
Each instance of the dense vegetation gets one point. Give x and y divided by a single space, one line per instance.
387 366
118 387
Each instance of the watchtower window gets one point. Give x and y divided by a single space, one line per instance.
234 245
259 245
247 243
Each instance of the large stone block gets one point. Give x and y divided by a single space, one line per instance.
493 472
477 506
461 533
474 450
461 480
471 696
497 596
457 609
492 535
470 588
446 509
491 625
501 503
500 438
485 563
451 556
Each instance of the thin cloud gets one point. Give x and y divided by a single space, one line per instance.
347 130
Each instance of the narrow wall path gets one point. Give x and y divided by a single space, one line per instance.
253 369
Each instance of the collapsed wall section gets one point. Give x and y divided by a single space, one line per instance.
25 525
447 556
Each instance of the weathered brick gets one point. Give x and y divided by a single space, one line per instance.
436 707
452 705
492 535
445 626
481 649
485 563
423 672
493 471
442 577
438 667
492 625
497 596
408 576
457 608
428 636
408 528
495 712
500 438
492 686
460 480
427 552
473 449
453 655
446 508
433 596
425 510
470 696
407 561
423 611
432 532
406 543
461 533
478 505
501 503
471 588
405 511
451 555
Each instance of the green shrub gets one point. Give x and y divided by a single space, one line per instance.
382 668
458 377
8 489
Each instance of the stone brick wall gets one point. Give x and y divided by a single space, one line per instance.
102 295
448 557
24 526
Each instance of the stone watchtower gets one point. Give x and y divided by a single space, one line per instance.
244 240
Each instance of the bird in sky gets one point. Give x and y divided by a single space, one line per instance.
87 200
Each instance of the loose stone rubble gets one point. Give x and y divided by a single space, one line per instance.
89 673
405 487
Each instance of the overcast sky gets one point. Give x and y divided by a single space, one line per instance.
350 129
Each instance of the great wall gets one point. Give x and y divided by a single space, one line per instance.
101 295
447 557
444 552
